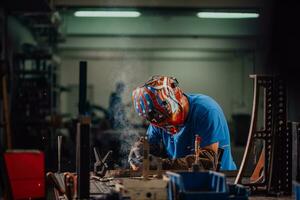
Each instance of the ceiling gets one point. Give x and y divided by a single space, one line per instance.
166 29
160 25
163 3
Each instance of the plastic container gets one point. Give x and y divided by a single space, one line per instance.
297 190
203 185
237 192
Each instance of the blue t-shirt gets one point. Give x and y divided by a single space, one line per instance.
206 119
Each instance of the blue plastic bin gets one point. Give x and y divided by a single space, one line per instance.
297 190
238 192
203 185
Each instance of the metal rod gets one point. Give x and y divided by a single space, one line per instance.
83 138
107 156
146 164
96 153
251 132
59 142
6 113
82 87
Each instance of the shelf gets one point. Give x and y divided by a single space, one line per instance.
34 56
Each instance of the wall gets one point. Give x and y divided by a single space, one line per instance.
103 75
225 80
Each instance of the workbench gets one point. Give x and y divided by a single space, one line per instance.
107 185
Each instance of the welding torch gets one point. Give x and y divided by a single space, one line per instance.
197 149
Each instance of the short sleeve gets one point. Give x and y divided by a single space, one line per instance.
211 127
154 136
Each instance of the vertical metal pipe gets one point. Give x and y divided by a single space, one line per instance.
59 141
146 164
6 111
82 87
83 138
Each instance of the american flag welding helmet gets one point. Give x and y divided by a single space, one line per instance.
159 100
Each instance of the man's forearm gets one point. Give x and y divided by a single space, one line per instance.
207 159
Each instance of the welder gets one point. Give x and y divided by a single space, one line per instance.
176 118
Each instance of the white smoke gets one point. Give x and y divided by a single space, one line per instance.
128 134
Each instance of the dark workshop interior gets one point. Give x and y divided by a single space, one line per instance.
69 108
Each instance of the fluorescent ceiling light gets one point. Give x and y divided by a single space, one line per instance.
227 15
107 14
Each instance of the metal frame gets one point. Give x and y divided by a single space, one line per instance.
83 139
277 168
294 128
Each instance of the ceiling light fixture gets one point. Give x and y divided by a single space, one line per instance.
107 14
227 15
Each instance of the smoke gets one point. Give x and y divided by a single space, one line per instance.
128 138
124 116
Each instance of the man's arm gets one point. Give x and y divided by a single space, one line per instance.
136 153
211 130
135 156
207 158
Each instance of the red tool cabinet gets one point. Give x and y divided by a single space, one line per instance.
26 173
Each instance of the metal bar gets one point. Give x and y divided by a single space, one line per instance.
96 153
281 154
146 163
59 141
83 138
251 132
298 153
82 87
6 113
107 156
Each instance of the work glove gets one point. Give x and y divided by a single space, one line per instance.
207 161
135 157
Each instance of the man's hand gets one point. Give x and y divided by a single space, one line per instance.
135 157
135 167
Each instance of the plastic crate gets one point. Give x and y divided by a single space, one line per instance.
297 190
203 185
237 192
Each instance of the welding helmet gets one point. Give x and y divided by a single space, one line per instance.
159 101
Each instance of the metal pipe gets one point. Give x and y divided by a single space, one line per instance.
83 138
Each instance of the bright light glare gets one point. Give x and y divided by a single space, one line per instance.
226 15
107 14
